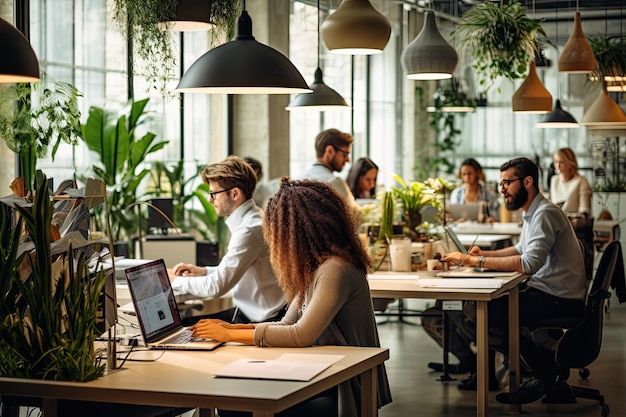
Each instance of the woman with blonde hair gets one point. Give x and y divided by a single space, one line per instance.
322 267
570 190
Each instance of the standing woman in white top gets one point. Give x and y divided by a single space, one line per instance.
569 190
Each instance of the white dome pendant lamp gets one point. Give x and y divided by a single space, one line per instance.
604 113
429 56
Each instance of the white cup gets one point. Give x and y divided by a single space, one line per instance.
400 251
433 264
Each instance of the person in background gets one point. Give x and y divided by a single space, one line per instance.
245 268
322 267
570 190
262 191
474 190
362 178
548 251
332 148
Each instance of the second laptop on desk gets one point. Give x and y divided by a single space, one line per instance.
157 310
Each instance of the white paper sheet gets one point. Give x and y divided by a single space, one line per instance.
460 282
288 367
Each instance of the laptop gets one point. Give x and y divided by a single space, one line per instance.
468 211
455 239
157 311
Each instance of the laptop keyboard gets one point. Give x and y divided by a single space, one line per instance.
183 337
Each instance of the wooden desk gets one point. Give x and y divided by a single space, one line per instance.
405 287
185 379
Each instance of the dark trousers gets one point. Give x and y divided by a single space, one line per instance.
534 306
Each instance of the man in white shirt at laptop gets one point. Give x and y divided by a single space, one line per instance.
333 152
245 268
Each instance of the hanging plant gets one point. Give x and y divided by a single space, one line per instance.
610 54
502 40
143 23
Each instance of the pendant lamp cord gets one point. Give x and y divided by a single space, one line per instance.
319 42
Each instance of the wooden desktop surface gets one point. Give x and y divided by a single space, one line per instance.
185 379
407 286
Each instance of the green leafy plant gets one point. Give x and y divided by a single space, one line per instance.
142 21
610 54
33 117
502 40
111 135
49 308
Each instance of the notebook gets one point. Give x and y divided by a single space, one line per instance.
157 311
468 211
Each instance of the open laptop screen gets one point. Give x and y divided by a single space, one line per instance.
155 304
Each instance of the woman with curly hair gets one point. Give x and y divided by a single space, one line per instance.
322 267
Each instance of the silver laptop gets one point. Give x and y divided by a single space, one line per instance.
157 311
455 239
468 211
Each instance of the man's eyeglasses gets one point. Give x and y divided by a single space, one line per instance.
212 194
344 153
506 183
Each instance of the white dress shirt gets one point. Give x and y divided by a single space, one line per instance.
320 172
245 268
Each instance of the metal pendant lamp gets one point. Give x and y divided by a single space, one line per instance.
429 56
356 28
191 15
243 66
532 96
323 97
604 113
19 63
577 56
557 118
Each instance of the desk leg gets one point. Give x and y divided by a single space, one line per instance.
50 407
482 359
514 349
369 393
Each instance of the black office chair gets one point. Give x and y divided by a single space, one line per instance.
580 344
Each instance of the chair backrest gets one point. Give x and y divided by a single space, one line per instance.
580 345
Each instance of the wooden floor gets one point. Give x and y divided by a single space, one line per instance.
417 392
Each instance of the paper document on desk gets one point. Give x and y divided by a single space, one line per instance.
460 283
393 275
471 273
288 367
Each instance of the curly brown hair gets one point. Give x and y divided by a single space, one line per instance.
306 223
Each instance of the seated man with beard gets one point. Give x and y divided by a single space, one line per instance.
547 251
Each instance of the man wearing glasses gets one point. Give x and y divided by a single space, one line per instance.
333 152
547 251
245 268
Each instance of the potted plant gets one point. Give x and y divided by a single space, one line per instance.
49 303
414 196
502 40
112 136
142 22
33 118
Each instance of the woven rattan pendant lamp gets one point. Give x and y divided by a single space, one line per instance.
532 96
19 63
356 28
243 66
577 56
191 15
429 56
323 97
